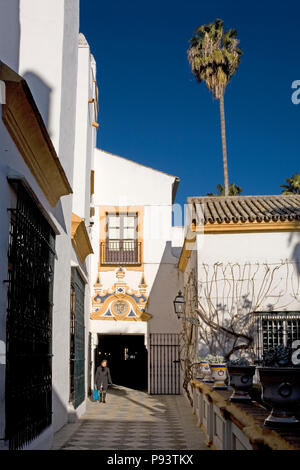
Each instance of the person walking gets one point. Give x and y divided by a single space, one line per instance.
102 380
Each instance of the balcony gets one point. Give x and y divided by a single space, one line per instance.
120 252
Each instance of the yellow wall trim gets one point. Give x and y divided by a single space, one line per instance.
187 248
92 182
140 315
27 129
80 238
240 227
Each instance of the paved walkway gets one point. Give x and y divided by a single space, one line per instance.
133 420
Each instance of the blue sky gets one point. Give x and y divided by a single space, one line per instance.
154 112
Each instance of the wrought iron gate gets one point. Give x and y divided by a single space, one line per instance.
77 358
28 390
164 364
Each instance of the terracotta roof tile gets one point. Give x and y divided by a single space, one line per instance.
221 209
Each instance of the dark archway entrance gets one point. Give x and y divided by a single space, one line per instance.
127 359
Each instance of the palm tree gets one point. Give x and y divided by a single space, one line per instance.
233 190
214 57
293 186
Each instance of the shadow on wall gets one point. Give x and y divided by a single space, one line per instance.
60 416
10 33
163 292
41 93
59 215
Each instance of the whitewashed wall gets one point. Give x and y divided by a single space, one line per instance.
39 40
268 246
85 133
48 61
132 184
127 183
85 139
256 250
263 248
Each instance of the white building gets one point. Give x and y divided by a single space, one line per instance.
241 258
135 275
82 220
47 136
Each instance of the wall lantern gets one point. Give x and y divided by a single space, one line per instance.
179 304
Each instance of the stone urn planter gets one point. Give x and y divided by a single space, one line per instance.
280 387
219 374
199 372
206 371
281 391
241 379
218 369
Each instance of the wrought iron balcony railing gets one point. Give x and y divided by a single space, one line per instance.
120 252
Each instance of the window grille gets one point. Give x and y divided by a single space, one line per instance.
77 340
28 389
276 328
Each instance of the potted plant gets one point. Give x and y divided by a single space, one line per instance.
241 374
280 381
218 371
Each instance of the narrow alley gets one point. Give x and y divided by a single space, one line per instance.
131 419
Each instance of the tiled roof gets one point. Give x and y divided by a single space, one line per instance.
222 209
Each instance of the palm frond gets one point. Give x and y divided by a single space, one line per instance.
214 55
293 186
234 190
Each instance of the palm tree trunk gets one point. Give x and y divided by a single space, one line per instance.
224 150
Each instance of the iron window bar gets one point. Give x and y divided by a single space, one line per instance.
77 340
28 384
275 328
117 251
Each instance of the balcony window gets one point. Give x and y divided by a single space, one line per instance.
121 245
